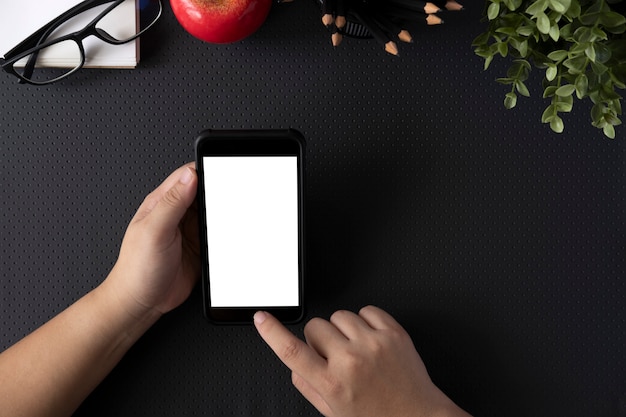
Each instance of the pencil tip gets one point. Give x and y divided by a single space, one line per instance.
405 36
432 19
454 6
432 8
391 48
340 21
336 39
327 20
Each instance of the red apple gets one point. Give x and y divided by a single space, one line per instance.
221 21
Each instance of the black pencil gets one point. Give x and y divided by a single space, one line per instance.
328 10
414 5
411 15
451 5
378 34
336 36
340 13
340 22
392 28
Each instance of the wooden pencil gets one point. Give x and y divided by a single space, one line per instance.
340 14
328 11
336 37
392 28
414 5
411 15
340 22
366 20
432 19
450 5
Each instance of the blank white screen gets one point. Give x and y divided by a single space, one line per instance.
252 230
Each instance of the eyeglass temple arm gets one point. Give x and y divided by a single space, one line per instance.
42 34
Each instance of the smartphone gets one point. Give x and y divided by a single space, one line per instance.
251 209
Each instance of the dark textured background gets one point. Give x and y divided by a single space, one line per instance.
498 244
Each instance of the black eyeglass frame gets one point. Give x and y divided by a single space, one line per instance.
33 44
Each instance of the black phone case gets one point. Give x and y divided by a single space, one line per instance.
232 142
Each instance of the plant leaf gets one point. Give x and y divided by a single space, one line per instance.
554 32
598 68
617 29
565 106
557 6
503 49
612 19
565 90
573 11
583 34
525 31
537 7
510 100
487 62
566 32
609 131
543 23
618 76
508 31
590 51
557 55
612 119
582 84
593 14
481 39
599 34
493 11
603 53
566 3
522 89
522 47
551 72
576 65
519 70
597 113
556 124
549 91
548 114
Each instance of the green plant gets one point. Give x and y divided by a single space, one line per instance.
580 44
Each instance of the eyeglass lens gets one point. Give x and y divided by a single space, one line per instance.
51 63
59 59
149 11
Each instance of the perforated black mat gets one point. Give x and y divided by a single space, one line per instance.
498 244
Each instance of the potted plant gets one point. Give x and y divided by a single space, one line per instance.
580 45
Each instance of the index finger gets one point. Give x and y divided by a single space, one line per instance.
293 352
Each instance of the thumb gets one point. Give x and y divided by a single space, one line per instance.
173 204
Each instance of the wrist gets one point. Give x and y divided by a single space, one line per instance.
450 409
440 405
123 309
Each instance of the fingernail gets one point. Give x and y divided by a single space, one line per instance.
186 176
259 317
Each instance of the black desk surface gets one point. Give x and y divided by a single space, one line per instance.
498 244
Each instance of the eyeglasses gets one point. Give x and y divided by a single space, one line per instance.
25 61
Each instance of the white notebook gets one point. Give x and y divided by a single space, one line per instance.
19 19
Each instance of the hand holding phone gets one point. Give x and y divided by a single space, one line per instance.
251 219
